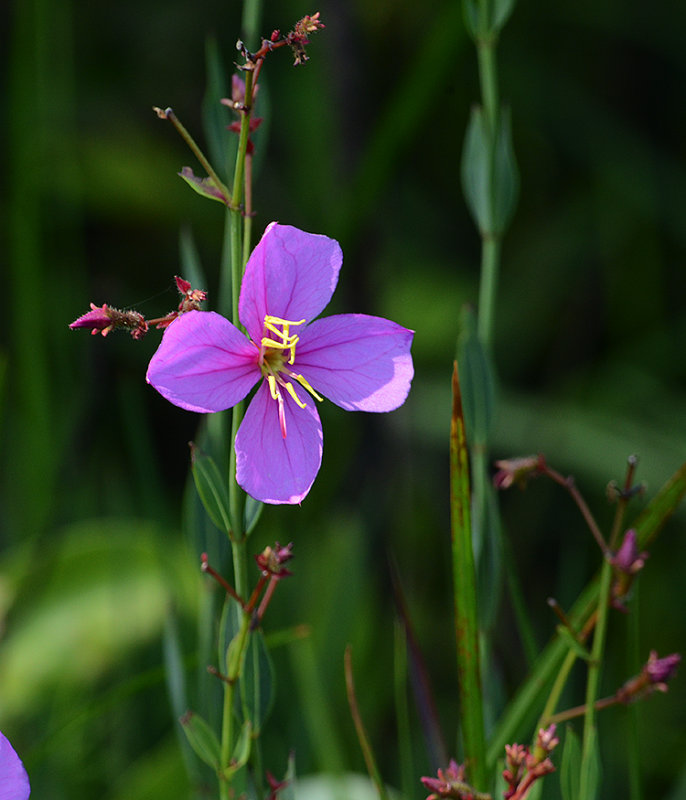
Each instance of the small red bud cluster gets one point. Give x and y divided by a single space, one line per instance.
103 319
451 783
524 768
628 561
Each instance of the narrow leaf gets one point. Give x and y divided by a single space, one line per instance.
505 183
251 513
216 116
476 171
288 792
466 612
202 738
206 187
476 380
241 752
502 10
572 642
589 773
471 17
257 682
212 489
661 508
570 767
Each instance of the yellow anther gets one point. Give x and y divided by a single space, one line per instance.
284 339
291 392
304 383
271 380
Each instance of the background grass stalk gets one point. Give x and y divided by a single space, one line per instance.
465 598
593 681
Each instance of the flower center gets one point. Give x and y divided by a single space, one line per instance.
277 350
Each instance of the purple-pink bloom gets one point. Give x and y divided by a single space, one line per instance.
14 782
359 362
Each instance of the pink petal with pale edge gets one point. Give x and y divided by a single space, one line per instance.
268 467
14 782
290 274
359 362
204 363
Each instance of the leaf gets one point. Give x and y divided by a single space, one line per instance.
490 179
212 489
204 186
216 116
505 181
571 765
572 642
241 752
202 739
251 513
476 381
661 507
471 17
502 11
257 682
288 792
589 773
476 171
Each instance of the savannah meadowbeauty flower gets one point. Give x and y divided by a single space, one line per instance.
14 782
359 362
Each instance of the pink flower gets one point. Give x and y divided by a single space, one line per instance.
14 782
359 362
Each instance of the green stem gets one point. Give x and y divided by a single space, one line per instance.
169 114
234 266
490 269
237 498
555 692
234 665
593 681
488 75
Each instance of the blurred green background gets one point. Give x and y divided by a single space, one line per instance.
363 143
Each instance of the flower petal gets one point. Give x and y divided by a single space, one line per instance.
359 362
290 274
204 363
272 468
14 782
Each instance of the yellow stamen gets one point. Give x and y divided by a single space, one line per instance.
284 339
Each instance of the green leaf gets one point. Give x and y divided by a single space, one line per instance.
212 488
257 682
476 381
470 13
502 10
465 595
661 507
251 513
476 170
189 259
589 773
288 792
216 117
572 642
490 179
505 181
570 767
206 187
241 752
202 739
